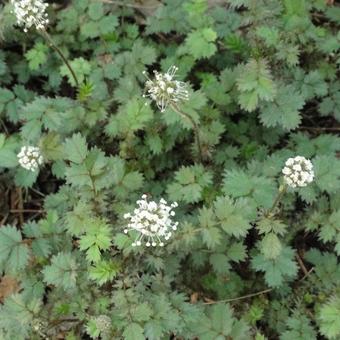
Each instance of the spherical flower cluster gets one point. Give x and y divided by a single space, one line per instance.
31 13
298 172
103 323
152 221
165 90
30 158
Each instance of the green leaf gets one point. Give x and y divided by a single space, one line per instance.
81 67
211 237
8 155
200 43
75 148
260 190
17 315
278 269
133 332
329 318
51 147
142 312
284 110
131 117
237 252
326 267
96 11
255 83
189 184
96 238
299 327
269 225
234 217
326 170
62 272
25 178
270 246
14 254
330 105
37 56
6 96
104 271
220 324
313 85
220 263
270 35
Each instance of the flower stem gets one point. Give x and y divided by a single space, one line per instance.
195 127
57 49
282 191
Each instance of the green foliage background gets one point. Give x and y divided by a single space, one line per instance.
264 87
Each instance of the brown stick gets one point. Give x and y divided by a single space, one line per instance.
301 264
123 4
20 211
335 128
20 206
240 297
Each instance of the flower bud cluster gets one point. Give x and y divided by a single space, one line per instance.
103 323
30 158
165 90
152 221
31 13
298 172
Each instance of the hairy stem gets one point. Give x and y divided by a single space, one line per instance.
57 49
282 191
195 127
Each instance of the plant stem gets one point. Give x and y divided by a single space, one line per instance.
2 123
282 191
195 127
57 49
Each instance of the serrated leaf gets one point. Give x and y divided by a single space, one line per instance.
8 155
255 83
270 246
133 332
237 252
233 216
200 43
14 254
284 110
104 271
37 56
329 318
75 148
220 263
276 270
62 272
96 238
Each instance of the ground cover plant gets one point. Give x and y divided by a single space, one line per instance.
169 170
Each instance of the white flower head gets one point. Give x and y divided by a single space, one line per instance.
152 221
30 158
165 90
103 323
30 13
298 172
